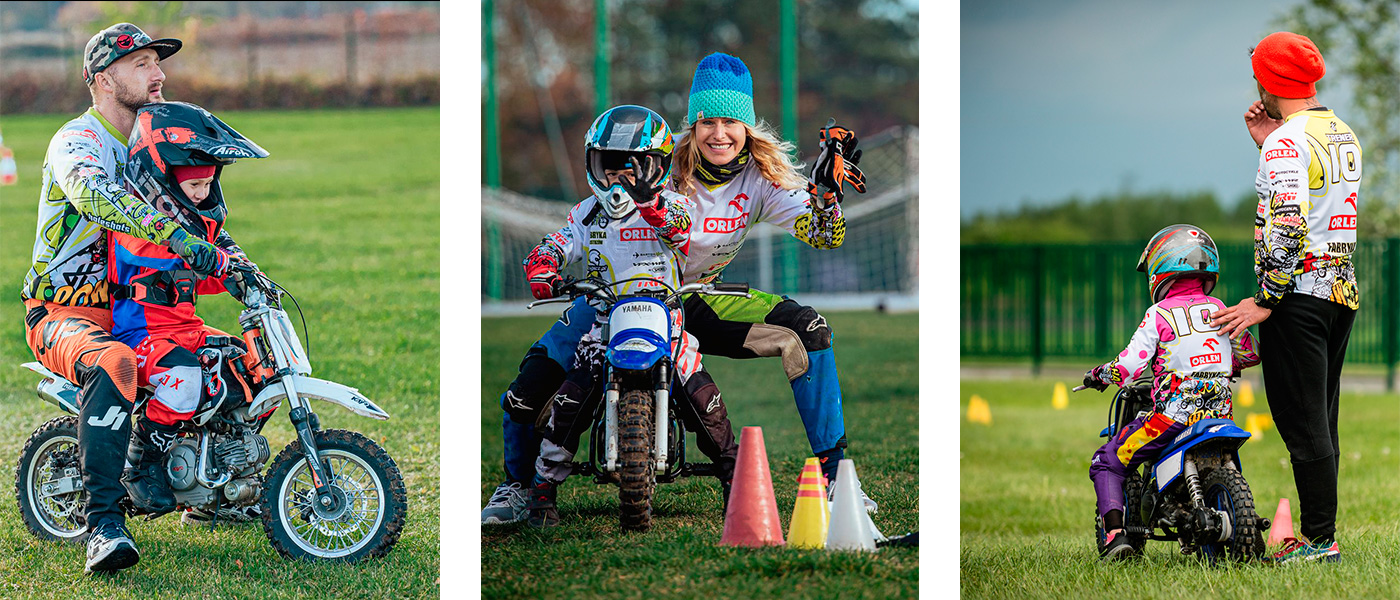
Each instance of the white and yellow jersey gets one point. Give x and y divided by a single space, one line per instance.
1309 182
617 249
725 214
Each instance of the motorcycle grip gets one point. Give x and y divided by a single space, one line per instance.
732 287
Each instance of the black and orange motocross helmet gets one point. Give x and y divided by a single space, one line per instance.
171 134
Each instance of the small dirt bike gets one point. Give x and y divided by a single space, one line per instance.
330 494
1194 493
636 441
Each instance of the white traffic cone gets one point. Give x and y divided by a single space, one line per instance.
850 525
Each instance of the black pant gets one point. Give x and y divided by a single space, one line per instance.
1303 345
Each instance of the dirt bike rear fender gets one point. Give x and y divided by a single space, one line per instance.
641 328
55 388
319 389
1222 433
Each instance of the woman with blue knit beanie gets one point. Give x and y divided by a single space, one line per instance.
738 172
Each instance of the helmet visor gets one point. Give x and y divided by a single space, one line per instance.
652 166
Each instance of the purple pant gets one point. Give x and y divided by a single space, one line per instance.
1142 440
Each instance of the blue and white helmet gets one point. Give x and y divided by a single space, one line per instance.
625 138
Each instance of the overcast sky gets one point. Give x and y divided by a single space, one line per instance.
1088 96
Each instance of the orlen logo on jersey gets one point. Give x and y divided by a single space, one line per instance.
721 225
638 234
1205 359
1280 153
1342 222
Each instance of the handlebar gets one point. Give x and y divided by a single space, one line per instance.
572 289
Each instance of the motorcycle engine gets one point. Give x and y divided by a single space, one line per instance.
181 465
241 453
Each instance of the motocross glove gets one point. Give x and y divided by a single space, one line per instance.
201 256
1091 379
836 165
542 271
820 199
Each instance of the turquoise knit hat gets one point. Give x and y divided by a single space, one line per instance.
722 87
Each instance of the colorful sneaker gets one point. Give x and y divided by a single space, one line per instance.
542 509
1117 547
507 505
1298 550
870 506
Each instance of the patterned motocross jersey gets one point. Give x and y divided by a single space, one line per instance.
1191 359
618 249
159 290
1305 227
724 214
81 198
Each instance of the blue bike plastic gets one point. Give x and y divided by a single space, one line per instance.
638 348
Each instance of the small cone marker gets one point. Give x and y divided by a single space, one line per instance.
1246 395
1060 398
752 518
977 412
811 515
1254 427
850 525
1282 526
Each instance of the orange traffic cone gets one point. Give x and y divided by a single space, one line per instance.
1282 527
752 518
811 515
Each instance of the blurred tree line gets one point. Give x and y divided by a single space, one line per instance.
1120 217
857 62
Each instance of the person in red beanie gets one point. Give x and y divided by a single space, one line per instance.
1309 183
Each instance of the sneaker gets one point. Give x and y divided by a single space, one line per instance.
542 510
1117 547
1298 550
110 549
507 505
196 517
870 506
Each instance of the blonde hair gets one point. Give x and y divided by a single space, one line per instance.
772 155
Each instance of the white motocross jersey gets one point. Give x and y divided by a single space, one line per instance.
1308 183
724 214
619 249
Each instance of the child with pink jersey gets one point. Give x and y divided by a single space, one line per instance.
1192 363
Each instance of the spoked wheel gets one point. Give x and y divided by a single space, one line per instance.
1226 490
49 483
366 511
637 428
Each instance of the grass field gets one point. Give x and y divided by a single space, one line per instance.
1027 506
345 215
589 557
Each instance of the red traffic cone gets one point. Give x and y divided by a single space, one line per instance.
752 518
1282 527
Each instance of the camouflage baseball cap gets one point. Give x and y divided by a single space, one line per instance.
120 40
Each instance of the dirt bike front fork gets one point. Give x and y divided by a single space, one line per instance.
306 425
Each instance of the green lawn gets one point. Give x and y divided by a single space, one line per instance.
345 215
1027 505
589 557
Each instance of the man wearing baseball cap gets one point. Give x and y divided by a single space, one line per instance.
1309 181
68 311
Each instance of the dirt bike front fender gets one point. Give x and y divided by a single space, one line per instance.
319 389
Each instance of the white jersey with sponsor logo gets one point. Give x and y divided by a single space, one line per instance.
619 249
1308 183
725 214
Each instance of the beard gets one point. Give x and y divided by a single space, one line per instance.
131 98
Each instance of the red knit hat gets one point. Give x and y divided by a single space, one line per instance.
184 173
1287 65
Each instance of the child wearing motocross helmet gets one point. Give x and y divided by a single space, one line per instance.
1192 363
177 153
631 226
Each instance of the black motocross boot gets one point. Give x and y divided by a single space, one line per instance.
145 479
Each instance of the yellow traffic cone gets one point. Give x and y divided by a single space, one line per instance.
1254 426
811 515
1060 398
1246 394
978 411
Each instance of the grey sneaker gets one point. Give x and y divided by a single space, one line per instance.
195 517
110 549
507 505
870 506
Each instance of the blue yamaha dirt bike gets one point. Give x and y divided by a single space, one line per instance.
636 440
1195 492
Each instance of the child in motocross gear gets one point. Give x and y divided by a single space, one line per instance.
630 227
1192 363
177 153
